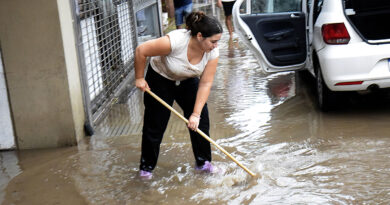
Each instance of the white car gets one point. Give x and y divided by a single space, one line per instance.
345 44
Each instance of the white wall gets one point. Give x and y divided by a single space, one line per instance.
7 139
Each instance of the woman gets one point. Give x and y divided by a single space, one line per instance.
228 8
182 68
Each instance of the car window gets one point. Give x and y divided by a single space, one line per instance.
366 5
243 8
275 6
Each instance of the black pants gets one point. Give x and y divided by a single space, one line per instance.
156 118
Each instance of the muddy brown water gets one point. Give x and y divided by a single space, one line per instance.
270 123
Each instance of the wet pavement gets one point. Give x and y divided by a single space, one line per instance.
270 123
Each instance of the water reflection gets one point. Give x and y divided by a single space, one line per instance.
9 168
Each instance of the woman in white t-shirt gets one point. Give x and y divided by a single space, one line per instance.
182 68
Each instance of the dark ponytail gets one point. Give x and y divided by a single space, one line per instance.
199 22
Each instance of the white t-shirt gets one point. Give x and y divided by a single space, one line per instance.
175 66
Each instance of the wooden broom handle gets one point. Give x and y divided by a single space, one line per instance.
200 132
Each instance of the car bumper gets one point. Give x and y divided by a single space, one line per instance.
356 62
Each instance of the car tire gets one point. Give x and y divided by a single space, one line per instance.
325 97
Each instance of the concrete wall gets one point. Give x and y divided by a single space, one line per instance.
42 73
72 66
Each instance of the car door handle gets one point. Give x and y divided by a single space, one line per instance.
295 15
279 35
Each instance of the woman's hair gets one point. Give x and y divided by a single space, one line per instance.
200 22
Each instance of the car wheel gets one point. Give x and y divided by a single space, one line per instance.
325 96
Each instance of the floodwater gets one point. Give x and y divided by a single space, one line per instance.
270 123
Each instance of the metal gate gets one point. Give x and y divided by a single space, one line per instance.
106 37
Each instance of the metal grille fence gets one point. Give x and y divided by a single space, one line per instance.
106 33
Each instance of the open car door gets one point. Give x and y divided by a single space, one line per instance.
275 31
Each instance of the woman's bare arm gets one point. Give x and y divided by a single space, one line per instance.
156 47
206 81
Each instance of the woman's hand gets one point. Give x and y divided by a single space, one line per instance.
193 122
142 84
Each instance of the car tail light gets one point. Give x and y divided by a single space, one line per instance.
335 33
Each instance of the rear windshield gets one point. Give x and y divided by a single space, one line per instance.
366 5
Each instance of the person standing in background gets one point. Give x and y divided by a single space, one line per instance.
228 8
182 9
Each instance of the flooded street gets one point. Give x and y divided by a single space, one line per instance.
270 123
